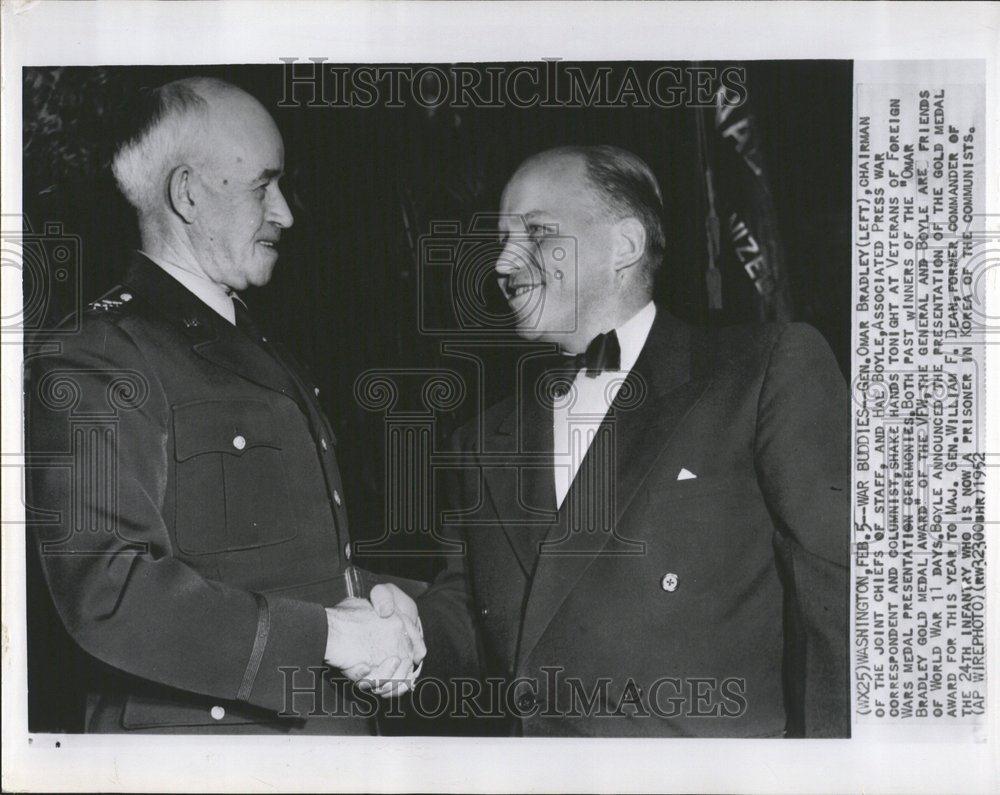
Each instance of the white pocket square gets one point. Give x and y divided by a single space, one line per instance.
686 474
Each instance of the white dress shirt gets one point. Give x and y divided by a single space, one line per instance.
576 418
215 295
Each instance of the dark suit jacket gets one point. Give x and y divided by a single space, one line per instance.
190 521
712 606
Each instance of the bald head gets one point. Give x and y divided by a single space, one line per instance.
180 122
583 236
618 183
202 171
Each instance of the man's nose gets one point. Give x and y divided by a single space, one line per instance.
511 259
279 213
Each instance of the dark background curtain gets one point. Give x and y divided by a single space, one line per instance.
365 184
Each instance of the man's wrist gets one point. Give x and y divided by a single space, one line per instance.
333 635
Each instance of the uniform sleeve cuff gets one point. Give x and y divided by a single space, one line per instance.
292 657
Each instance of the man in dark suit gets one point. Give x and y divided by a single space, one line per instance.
198 548
656 525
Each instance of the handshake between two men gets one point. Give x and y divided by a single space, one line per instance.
378 644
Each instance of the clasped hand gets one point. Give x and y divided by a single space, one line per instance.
377 644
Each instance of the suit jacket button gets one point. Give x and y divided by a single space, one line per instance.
484 612
218 713
322 443
669 582
337 499
239 442
347 551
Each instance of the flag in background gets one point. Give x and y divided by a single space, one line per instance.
745 275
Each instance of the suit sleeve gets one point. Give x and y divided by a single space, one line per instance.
802 456
97 431
446 608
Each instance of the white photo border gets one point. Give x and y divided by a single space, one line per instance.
108 32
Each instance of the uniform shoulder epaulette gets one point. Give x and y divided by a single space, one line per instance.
112 302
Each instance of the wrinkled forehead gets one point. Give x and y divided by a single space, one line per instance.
242 134
551 185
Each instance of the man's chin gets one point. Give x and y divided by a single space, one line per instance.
535 334
262 276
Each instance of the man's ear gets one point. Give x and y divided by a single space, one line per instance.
179 191
630 244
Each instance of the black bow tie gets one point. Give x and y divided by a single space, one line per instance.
604 353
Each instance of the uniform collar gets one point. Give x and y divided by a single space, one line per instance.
167 296
215 296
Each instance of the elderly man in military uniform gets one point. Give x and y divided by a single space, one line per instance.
199 550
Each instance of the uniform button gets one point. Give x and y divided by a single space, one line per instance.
322 443
336 498
316 391
669 582
526 702
484 612
347 551
263 339
218 713
126 296
239 442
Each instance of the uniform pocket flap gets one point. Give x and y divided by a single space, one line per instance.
144 712
222 426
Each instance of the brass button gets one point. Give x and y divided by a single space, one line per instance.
316 391
218 713
239 442
347 551
322 443
336 498
669 582
126 297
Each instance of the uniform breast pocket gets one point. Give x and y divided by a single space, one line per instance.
230 492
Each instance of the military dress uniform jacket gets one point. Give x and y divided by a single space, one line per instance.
694 580
197 535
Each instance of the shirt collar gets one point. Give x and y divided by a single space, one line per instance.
632 335
217 297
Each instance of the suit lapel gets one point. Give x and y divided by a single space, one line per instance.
521 485
659 391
